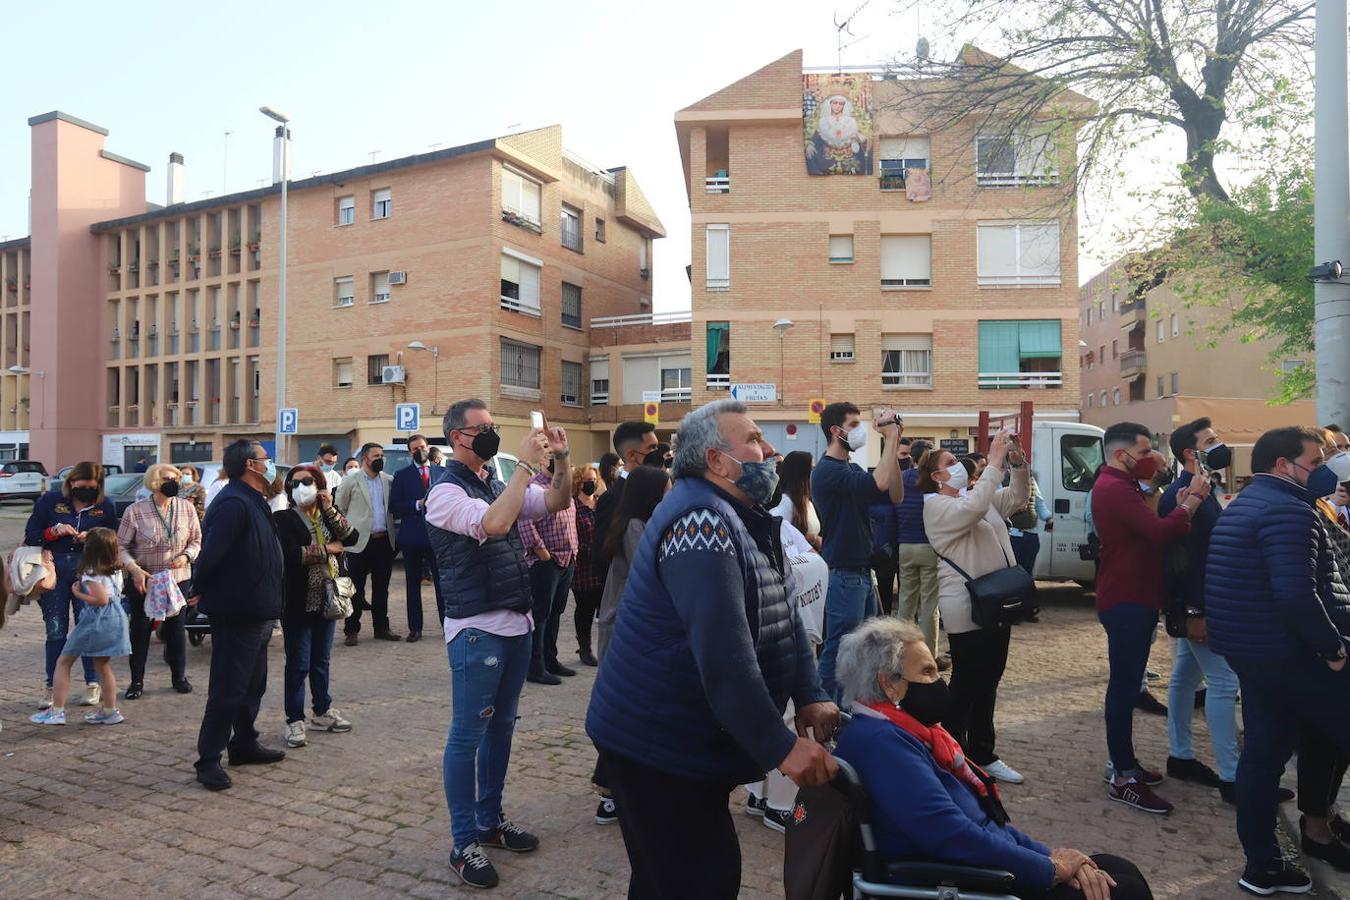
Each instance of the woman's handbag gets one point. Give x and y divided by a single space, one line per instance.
1003 597
338 593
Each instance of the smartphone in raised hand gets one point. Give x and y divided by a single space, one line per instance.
537 420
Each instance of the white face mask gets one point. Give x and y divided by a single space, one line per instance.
1146 487
957 477
304 494
857 436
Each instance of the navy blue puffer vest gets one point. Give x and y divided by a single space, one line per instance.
477 578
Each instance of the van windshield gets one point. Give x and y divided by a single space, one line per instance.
1081 456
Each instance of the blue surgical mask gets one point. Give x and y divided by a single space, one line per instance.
271 473
757 479
327 467
1323 482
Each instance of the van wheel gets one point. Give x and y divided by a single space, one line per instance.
195 638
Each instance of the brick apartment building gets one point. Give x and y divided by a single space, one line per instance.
153 330
936 307
1150 360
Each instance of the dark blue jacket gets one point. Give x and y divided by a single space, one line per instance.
1272 587
404 496
239 571
885 528
707 649
909 514
54 508
477 578
1186 583
921 812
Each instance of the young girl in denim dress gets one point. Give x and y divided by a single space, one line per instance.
101 632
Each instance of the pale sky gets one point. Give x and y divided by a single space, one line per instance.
403 77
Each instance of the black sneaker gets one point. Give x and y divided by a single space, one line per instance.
1148 703
1192 770
755 806
1286 879
557 668
508 836
777 819
543 678
473 867
1228 792
607 813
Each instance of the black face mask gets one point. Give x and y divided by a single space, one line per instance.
84 494
485 444
656 458
929 703
588 487
419 456
1220 456
906 463
169 489
377 465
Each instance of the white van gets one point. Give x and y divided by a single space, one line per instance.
1065 457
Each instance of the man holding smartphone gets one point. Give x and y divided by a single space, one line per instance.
843 493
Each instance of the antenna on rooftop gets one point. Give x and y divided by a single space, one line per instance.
846 27
373 154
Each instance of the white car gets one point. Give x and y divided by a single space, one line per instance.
22 479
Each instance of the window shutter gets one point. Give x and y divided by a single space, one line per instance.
642 373
344 373
841 246
999 347
997 251
841 343
599 370
529 286
902 342
510 269
719 255
1041 340
1040 250
906 257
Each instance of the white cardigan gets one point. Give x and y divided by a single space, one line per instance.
972 532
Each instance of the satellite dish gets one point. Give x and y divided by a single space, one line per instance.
921 50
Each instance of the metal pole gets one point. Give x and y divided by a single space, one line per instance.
435 378
1331 219
281 292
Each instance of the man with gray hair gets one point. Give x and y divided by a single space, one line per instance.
705 654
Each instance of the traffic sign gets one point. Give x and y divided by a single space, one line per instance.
651 413
754 393
816 408
407 416
288 421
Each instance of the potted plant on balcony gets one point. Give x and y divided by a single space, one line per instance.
254 242
194 254
234 246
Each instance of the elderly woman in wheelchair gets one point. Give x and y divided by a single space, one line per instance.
927 802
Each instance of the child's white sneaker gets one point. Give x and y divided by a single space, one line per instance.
49 716
295 734
92 695
331 721
105 717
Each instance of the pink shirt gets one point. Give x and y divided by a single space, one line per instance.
449 507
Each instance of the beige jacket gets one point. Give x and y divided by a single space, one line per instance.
971 532
352 499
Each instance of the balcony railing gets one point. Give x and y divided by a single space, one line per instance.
717 184
521 219
677 395
571 237
718 382
1133 314
1133 362
1016 179
1031 380
674 317
599 398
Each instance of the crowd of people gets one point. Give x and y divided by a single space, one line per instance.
742 607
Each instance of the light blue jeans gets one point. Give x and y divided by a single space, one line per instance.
851 598
487 672
1190 660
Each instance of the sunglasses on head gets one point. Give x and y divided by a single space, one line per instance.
306 481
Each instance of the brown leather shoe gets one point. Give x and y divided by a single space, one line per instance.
352 640
387 635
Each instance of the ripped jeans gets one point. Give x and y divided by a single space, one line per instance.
487 672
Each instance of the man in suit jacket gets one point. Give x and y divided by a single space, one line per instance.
363 497
408 503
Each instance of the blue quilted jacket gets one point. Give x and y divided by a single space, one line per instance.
1272 586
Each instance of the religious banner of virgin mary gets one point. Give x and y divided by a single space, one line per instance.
837 124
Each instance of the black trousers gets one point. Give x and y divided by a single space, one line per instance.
1321 769
419 561
238 682
588 602
678 833
885 565
1130 882
978 660
549 585
170 632
377 563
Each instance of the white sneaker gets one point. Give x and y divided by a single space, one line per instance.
331 721
46 701
1003 772
92 695
295 734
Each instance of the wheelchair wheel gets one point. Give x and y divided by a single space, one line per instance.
195 638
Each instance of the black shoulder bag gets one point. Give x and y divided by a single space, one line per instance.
1003 597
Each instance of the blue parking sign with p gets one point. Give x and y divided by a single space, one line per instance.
288 421
407 416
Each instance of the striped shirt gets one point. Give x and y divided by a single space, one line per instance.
151 537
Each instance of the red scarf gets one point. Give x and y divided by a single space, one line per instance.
949 755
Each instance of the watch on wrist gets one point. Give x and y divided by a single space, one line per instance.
1338 655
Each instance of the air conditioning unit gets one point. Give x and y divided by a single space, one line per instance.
393 375
398 277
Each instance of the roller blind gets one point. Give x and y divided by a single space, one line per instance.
719 256
841 246
910 147
906 258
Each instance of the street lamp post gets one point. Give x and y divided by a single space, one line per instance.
281 265
781 326
435 371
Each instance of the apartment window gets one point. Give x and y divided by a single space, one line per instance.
1162 391
676 384
841 348
1115 349
520 199
1176 325
344 291
342 372
571 383
718 239
1020 354
1090 359
381 203
1115 397
1017 253
520 365
906 260
1089 315
346 210
1015 159
644 250
599 229
1092 398
1176 383
899 155
1101 353
841 248
520 284
1162 331
571 305
906 360
599 382
375 368
1101 310
1102 400
719 350
1292 365
379 287
571 227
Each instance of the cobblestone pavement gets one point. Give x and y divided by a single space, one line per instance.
114 812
